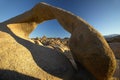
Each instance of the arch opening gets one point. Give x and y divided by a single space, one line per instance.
50 28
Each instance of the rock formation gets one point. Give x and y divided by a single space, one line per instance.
117 72
57 44
18 55
61 45
92 51
20 58
23 58
38 42
114 43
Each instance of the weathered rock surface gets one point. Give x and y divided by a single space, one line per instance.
91 50
57 42
117 72
20 56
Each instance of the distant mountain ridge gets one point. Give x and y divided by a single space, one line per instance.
111 35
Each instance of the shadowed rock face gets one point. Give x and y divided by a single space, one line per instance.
19 54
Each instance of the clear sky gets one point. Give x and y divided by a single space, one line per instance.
103 15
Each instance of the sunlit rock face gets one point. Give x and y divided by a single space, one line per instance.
20 58
117 71
114 43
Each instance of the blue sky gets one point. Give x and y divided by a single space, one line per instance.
103 15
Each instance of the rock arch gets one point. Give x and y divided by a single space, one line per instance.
87 45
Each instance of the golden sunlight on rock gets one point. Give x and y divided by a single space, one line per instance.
85 56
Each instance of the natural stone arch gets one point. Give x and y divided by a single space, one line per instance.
82 36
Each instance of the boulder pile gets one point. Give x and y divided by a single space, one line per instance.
55 43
